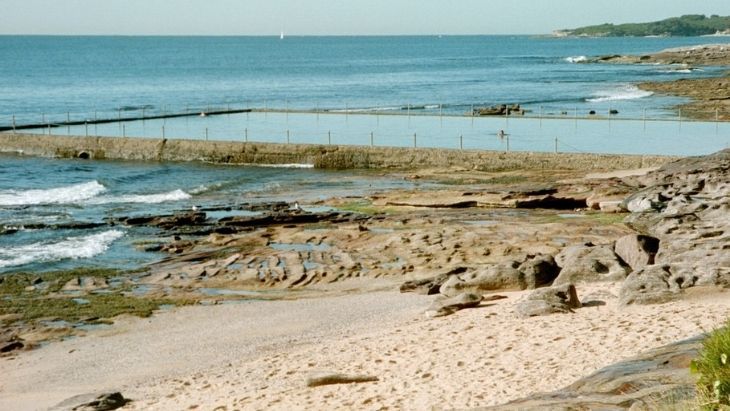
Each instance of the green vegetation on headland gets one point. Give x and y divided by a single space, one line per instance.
688 25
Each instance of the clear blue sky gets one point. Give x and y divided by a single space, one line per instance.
332 17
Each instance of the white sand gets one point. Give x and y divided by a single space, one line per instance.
258 355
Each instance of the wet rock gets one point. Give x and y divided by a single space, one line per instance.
93 402
448 306
546 301
589 263
336 378
193 218
637 251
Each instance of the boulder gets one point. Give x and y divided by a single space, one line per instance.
637 251
448 306
429 286
589 263
504 276
653 284
538 271
546 301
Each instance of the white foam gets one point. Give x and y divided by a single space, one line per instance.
68 248
622 93
175 195
293 165
576 59
61 195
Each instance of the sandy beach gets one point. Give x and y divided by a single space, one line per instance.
260 355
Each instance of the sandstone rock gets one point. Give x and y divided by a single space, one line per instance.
448 306
637 251
589 263
504 276
429 286
659 373
538 271
336 378
93 402
545 301
691 218
652 284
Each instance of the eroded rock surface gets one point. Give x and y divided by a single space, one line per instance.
689 213
589 263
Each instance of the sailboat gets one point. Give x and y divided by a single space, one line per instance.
281 37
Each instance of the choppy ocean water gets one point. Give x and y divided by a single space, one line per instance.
53 212
53 78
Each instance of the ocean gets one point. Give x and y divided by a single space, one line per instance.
53 77
53 212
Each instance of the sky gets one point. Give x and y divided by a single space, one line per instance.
330 17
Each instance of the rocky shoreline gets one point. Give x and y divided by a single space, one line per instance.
709 97
650 238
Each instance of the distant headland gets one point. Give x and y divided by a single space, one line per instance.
688 25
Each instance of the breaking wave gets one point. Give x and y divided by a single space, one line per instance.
175 195
69 248
576 59
623 93
62 195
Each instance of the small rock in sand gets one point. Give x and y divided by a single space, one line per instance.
448 306
336 378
